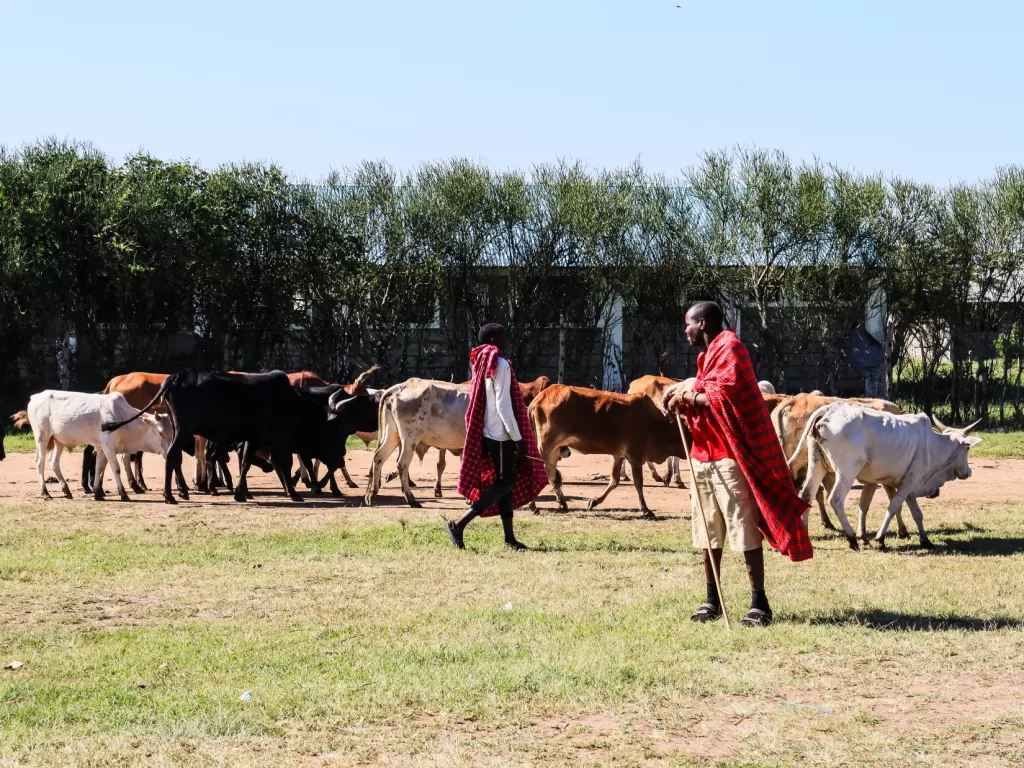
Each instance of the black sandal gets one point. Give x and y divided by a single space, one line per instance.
757 618
455 534
707 612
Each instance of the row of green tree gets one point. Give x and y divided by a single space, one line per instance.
109 267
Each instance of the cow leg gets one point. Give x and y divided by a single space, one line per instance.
866 495
245 454
901 528
311 472
126 460
348 478
138 472
282 461
919 518
202 478
837 500
440 471
677 471
404 462
827 484
388 445
613 482
115 469
41 440
137 466
638 483
58 449
894 506
225 471
654 473
555 477
88 467
174 459
97 479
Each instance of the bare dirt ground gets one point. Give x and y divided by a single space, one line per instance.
994 480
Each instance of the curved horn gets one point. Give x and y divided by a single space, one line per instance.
333 400
970 427
938 424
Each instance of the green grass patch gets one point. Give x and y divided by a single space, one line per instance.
364 634
21 442
1001 445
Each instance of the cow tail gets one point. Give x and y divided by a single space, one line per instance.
20 420
817 416
110 426
382 409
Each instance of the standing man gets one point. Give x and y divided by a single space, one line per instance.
497 475
739 469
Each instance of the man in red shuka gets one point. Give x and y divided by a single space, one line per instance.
497 474
739 469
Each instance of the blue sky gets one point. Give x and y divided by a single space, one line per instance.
926 90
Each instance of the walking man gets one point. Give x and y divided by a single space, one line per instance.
739 469
497 475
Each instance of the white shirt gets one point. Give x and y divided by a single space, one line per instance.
499 418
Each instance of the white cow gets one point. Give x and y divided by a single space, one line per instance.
412 417
67 419
901 453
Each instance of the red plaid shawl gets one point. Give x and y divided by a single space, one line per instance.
477 472
726 377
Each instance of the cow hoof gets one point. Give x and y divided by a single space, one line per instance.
67 495
391 476
98 497
854 544
352 485
902 534
927 544
878 544
298 498
45 496
170 500
135 488
368 501
438 494
183 494
590 505
414 504
412 484
646 514
124 497
239 497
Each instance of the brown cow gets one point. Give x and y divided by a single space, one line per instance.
789 419
627 427
654 387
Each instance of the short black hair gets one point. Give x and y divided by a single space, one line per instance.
490 332
710 311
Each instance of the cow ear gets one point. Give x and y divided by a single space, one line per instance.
970 442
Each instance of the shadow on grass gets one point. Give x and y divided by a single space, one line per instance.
894 621
983 546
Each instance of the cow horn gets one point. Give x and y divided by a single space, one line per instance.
332 401
938 424
970 427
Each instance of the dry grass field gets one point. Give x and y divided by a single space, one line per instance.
364 638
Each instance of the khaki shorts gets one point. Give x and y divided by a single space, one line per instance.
729 507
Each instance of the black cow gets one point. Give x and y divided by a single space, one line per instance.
2 454
258 409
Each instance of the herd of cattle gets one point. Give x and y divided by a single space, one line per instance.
269 417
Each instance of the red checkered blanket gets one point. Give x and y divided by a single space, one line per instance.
477 473
726 377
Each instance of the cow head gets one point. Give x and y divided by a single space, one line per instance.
159 433
961 468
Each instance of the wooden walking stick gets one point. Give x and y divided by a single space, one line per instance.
694 493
